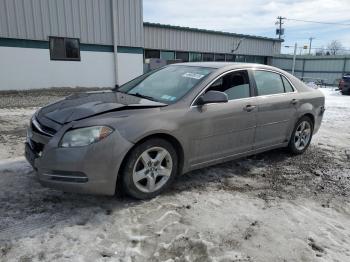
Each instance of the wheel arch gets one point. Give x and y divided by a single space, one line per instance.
309 115
170 138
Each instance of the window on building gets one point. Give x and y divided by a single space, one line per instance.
63 48
195 57
250 59
230 58
268 83
219 57
260 59
208 57
167 55
152 53
183 56
255 59
235 85
240 58
287 86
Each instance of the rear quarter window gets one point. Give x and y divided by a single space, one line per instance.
287 86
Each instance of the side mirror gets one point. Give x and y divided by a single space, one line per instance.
212 97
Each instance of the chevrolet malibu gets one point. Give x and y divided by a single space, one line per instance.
178 118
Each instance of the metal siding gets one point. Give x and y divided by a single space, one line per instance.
330 78
186 40
130 32
287 63
89 20
327 68
329 65
53 20
347 66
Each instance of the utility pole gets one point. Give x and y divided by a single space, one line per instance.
294 57
311 38
280 23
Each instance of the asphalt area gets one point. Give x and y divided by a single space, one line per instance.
268 207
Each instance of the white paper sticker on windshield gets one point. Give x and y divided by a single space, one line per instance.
170 98
193 75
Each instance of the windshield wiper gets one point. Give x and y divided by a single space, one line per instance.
143 96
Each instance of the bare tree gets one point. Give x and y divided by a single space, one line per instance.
335 47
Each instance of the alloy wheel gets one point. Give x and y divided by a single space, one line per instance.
302 135
152 169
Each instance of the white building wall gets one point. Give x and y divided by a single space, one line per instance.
129 66
30 68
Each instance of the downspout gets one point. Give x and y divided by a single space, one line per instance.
115 39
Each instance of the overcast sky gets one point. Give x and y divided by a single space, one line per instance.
257 17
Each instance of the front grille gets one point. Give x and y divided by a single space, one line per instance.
36 147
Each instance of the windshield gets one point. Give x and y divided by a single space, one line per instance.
166 85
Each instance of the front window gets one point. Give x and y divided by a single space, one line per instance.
235 85
168 84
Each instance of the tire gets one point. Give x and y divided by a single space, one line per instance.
300 134
150 168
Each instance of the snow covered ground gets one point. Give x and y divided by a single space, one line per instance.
269 207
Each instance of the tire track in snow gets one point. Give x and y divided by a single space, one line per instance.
31 226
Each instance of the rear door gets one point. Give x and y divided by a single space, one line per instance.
276 100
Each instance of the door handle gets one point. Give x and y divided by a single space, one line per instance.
295 101
249 108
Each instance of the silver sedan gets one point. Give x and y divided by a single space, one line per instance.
181 117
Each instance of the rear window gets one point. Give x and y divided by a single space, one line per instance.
268 83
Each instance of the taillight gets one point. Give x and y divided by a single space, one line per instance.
341 84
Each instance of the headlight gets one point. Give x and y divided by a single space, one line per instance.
85 136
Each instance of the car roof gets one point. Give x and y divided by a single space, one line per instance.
227 65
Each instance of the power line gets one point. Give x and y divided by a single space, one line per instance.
317 22
324 48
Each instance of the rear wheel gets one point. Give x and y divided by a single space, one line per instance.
301 136
150 168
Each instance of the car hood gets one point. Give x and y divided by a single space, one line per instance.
84 105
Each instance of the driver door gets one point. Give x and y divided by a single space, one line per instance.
223 130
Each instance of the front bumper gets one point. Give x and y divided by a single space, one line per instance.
91 169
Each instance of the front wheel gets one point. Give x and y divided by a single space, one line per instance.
150 168
301 136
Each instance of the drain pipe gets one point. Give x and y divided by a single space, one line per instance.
115 39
